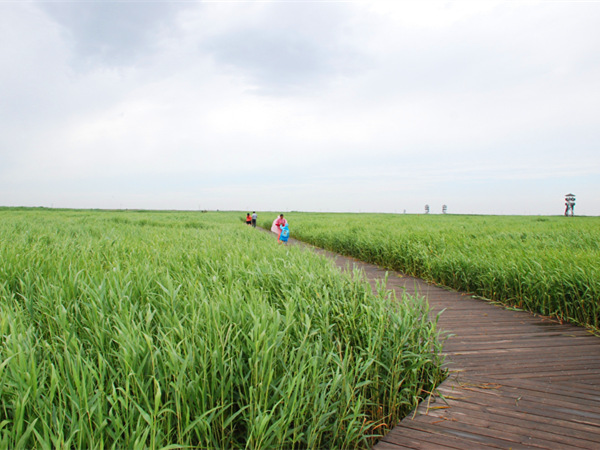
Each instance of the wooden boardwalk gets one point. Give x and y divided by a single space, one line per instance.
517 380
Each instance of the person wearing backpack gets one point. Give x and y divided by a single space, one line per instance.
277 224
285 234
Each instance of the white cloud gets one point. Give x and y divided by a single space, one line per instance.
317 106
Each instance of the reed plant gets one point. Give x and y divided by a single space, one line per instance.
547 265
188 330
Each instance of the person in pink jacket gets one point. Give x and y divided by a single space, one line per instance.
275 228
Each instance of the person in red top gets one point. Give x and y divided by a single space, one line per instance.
248 219
275 228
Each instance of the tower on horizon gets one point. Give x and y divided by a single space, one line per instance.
570 204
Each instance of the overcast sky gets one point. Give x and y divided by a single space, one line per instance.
486 107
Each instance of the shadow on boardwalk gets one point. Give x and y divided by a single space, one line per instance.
516 380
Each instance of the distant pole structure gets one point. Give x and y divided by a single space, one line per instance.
444 209
426 209
570 205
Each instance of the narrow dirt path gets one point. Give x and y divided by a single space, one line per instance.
516 380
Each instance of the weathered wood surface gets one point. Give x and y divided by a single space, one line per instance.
517 380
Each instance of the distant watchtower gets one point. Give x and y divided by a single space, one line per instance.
426 209
570 204
444 209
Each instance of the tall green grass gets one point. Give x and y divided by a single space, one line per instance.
548 265
189 330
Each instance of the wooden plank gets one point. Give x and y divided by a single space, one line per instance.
565 389
490 425
420 439
519 390
587 434
522 402
420 436
536 371
476 438
383 445
543 410
535 354
474 349
509 332
557 376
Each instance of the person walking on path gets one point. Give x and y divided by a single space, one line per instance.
279 221
285 234
248 219
254 217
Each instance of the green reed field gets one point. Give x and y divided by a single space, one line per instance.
190 330
548 265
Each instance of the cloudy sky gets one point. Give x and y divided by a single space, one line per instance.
486 107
